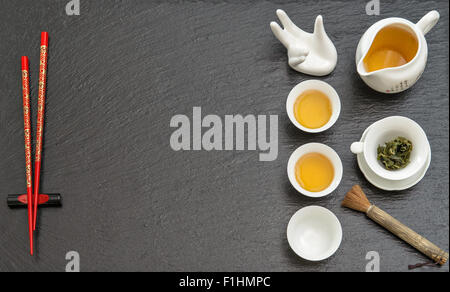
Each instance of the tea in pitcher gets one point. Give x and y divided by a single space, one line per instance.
393 46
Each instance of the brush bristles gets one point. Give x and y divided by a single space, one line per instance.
356 200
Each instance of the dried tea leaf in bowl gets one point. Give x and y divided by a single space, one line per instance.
395 154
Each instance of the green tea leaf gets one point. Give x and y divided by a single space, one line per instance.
395 154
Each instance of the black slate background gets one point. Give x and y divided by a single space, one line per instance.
119 72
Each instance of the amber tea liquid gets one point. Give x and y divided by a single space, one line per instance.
313 109
393 46
314 172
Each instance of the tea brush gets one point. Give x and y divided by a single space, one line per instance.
357 200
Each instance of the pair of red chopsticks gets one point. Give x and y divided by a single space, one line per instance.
32 198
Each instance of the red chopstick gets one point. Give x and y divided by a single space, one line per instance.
40 120
27 135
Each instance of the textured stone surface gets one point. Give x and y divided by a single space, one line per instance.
119 72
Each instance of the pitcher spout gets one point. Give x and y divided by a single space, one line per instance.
362 71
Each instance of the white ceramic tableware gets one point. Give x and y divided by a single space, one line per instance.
315 148
396 79
324 87
309 53
386 184
386 130
314 233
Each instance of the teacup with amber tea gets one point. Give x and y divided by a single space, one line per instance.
313 106
315 170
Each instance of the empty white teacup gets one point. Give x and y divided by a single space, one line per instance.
387 130
314 233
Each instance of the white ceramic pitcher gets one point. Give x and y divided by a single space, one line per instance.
396 79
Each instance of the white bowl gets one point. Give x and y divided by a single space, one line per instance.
314 233
390 185
386 130
315 148
317 85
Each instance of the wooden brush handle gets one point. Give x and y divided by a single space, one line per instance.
408 235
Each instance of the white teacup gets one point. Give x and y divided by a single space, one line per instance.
387 130
327 152
314 233
322 86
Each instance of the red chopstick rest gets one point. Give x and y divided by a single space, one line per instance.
45 200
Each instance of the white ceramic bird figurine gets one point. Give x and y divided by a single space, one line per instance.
309 53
